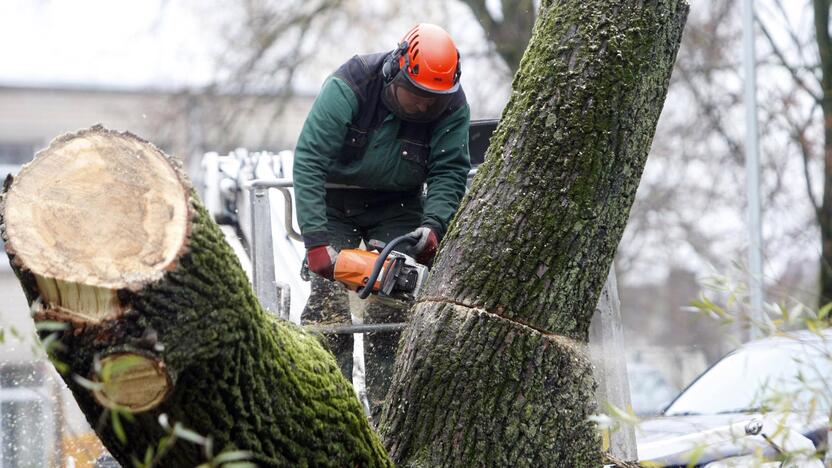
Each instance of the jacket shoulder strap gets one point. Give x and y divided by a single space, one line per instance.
362 73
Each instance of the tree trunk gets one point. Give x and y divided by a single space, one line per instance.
107 238
824 41
493 369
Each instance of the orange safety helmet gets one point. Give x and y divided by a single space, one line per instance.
422 74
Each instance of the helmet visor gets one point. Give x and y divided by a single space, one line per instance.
412 103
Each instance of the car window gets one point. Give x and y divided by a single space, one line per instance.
650 392
762 377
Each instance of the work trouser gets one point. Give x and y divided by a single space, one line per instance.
354 215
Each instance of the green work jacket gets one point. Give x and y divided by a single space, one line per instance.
382 167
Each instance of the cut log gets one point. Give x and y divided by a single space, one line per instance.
107 236
93 215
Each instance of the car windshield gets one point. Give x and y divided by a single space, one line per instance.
792 374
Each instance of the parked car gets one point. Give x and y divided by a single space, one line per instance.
769 395
650 390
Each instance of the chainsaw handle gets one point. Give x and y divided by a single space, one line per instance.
364 292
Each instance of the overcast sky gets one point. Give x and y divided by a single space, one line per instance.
125 43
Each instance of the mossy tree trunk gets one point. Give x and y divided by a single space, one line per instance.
493 369
824 211
107 238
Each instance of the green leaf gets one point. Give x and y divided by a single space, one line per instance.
125 413
240 465
119 366
823 313
165 443
694 455
208 448
86 383
2 335
118 429
603 421
180 431
234 456
650 464
60 366
148 456
706 305
49 341
625 416
96 364
51 326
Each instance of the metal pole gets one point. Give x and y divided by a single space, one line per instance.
262 252
752 168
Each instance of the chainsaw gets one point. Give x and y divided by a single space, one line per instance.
389 274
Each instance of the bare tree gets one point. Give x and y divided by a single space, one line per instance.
509 29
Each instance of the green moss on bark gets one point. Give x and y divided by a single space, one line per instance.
499 394
246 379
539 227
526 257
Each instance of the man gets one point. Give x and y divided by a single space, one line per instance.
382 126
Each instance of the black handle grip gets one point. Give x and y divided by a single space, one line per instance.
364 292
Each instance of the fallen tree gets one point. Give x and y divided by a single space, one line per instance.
108 238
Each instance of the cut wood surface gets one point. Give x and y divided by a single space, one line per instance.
133 382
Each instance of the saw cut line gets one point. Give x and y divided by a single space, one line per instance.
563 340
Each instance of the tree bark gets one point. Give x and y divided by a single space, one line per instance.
107 237
492 369
824 41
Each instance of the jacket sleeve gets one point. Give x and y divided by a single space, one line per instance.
319 142
448 168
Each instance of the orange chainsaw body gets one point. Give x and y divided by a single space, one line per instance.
353 268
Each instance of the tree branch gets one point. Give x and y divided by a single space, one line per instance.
782 59
799 136
512 33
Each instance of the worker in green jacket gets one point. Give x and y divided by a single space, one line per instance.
383 127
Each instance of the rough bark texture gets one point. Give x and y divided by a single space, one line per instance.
239 375
824 214
492 369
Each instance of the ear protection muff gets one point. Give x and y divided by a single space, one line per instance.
458 71
391 64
